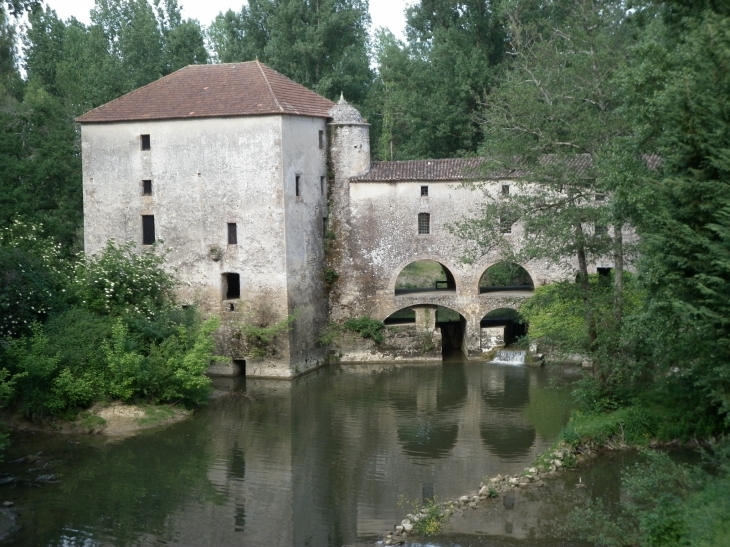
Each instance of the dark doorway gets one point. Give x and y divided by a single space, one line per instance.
231 286
453 329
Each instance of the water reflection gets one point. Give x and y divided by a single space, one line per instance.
318 461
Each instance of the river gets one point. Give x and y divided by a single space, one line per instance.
330 459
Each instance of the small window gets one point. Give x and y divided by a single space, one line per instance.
145 142
600 229
505 189
146 187
505 224
148 229
424 190
297 189
231 286
321 139
424 223
232 233
321 185
325 226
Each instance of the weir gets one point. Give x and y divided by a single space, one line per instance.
510 357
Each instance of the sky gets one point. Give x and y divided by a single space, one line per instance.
384 13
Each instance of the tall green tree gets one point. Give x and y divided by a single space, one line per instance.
554 125
428 89
678 89
321 44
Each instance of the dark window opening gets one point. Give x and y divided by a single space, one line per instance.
146 187
505 225
604 272
297 189
424 190
232 233
231 286
600 229
321 185
505 189
321 139
325 225
148 229
145 142
424 223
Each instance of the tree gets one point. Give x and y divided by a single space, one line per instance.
321 44
678 92
554 125
452 51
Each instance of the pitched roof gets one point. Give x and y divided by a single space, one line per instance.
203 91
446 169
464 169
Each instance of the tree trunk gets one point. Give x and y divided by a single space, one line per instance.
618 274
585 285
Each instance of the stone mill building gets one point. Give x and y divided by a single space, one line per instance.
264 196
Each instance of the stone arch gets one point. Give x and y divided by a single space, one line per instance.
505 276
403 316
452 282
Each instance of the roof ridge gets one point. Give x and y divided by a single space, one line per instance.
268 84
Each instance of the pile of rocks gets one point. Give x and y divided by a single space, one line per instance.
549 464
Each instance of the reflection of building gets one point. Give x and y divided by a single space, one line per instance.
325 458
247 176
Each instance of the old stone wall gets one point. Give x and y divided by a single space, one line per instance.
403 343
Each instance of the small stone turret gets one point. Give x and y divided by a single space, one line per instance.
349 155
350 140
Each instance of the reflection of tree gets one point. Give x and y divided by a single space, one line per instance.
127 489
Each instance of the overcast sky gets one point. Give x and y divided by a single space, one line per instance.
384 13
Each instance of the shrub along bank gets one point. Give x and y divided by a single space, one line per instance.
98 328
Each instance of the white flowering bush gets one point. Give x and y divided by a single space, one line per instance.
33 278
120 280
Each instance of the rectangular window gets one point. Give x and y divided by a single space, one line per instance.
424 190
297 190
146 187
600 229
148 229
505 224
505 189
145 142
231 286
424 223
321 185
321 139
232 233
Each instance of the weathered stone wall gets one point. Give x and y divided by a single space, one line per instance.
403 343
205 174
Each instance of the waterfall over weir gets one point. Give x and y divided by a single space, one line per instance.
510 357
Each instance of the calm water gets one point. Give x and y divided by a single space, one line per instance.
321 461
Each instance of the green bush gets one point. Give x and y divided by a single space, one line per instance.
367 327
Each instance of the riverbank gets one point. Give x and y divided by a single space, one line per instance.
114 419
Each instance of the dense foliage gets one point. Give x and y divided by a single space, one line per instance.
109 330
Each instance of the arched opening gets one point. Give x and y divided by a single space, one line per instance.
453 333
501 328
505 276
424 276
404 316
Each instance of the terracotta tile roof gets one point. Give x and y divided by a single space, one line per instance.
446 169
203 91
458 169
